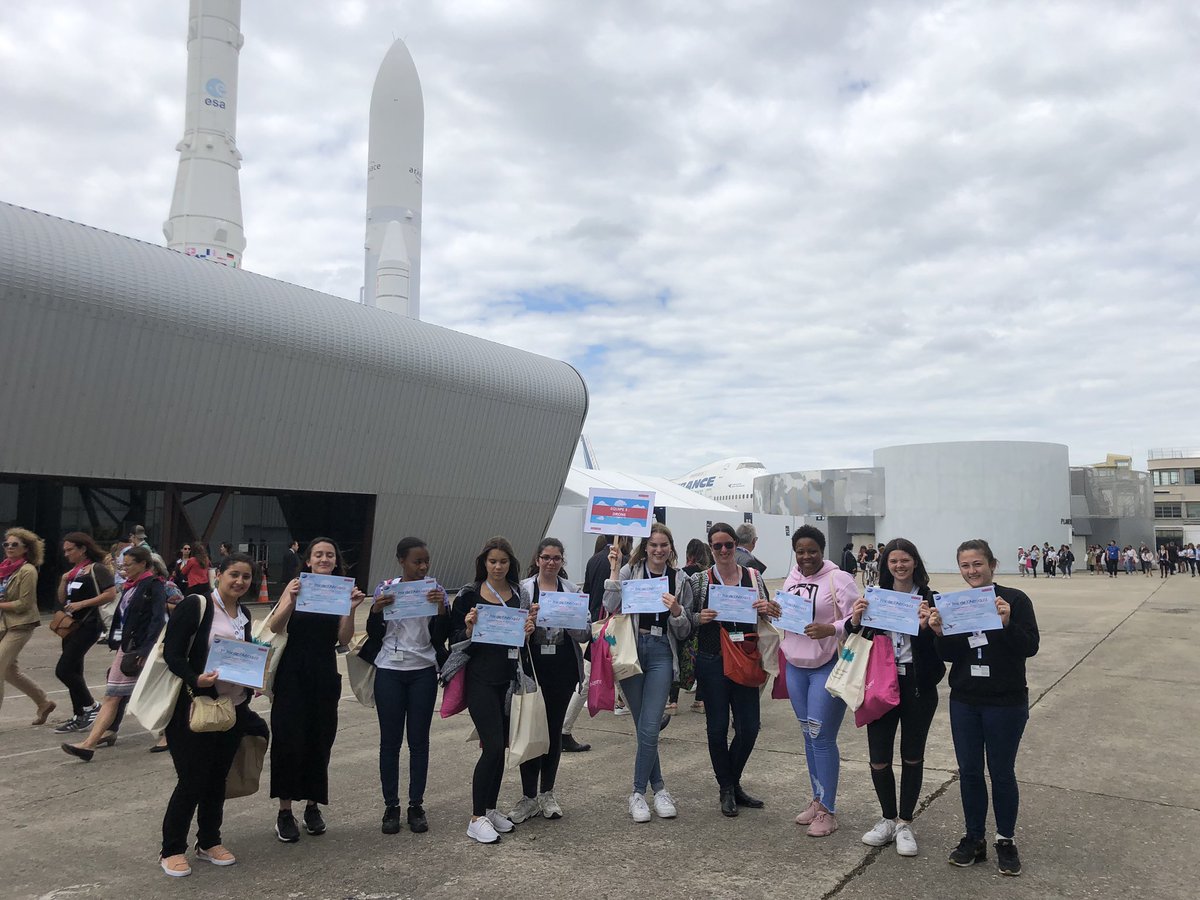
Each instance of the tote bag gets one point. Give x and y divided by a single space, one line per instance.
882 689
848 679
157 689
276 641
602 687
361 673
528 732
622 639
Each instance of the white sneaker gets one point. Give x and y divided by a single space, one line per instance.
881 835
548 804
638 808
906 841
526 809
499 820
481 830
664 805
621 711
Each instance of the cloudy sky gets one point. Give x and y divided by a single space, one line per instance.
797 231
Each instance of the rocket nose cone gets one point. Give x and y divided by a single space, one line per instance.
393 249
398 64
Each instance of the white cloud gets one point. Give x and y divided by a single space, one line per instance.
802 231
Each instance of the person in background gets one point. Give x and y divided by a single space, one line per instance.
1066 560
1021 555
224 551
698 559
1033 558
83 589
989 706
195 571
849 562
1112 553
747 538
24 553
1147 557
291 561
185 553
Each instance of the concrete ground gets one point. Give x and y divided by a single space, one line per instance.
1110 795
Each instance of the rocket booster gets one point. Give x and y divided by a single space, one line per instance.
206 209
395 148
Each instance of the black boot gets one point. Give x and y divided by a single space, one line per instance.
744 799
417 822
728 803
570 745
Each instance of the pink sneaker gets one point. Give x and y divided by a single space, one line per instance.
823 824
809 813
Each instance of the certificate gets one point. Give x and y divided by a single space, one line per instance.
560 609
499 625
411 599
733 603
964 612
892 611
797 611
644 595
619 512
238 662
326 594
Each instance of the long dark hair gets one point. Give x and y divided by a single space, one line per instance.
920 577
339 566
497 543
200 554
546 542
698 553
86 543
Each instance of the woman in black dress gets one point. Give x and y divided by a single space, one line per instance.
305 696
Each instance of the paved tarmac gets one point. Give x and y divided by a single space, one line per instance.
1110 796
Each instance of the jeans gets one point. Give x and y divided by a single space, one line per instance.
404 700
913 717
820 717
723 697
646 696
996 731
69 670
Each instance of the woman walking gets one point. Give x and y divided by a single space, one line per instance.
989 706
24 552
83 588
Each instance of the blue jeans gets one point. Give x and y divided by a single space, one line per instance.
723 697
996 731
404 699
820 718
646 696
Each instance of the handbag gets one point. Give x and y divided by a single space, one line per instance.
454 695
602 687
131 664
741 660
361 673
210 713
157 689
244 774
848 678
528 731
882 689
276 641
779 688
63 624
622 641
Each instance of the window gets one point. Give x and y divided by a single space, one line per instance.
1192 510
1191 476
1166 477
1168 510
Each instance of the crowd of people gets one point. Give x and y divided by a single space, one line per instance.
1109 560
409 657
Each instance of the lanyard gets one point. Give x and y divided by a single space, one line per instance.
721 581
495 593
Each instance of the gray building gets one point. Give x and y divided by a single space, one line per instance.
210 403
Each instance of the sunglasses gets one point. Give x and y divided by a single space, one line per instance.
723 545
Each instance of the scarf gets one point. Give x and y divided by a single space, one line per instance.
79 568
9 566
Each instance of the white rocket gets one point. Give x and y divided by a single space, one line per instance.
206 210
395 147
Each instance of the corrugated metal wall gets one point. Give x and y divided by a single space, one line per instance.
125 360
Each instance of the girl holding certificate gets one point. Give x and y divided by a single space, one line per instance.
810 657
659 637
406 654
202 759
305 697
919 669
558 659
722 695
989 706
490 670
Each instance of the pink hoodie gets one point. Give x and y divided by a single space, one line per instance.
801 650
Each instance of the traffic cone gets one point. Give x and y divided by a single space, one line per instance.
263 596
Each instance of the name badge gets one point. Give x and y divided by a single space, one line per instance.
549 649
981 671
901 669
514 653
118 634
977 639
397 656
74 585
241 622
737 637
655 631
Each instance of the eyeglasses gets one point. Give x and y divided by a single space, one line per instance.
550 559
9 545
724 545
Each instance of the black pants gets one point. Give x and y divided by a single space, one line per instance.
1111 565
722 698
404 700
202 764
69 669
913 717
544 769
485 703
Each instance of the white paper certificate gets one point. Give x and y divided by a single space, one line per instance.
964 612
411 599
797 611
499 625
561 609
238 662
644 595
326 594
892 611
733 603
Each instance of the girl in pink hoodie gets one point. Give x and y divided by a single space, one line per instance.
810 657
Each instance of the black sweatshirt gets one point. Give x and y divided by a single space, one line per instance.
1004 656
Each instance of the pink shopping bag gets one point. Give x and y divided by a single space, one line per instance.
882 691
779 689
454 697
602 689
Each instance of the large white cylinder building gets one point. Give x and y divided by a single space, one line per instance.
1011 493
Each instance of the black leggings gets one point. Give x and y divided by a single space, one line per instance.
69 670
913 717
545 768
485 703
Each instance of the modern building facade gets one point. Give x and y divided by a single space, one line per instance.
209 403
1175 476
